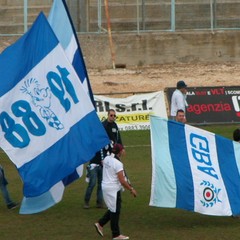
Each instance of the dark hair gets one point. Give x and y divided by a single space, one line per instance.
180 111
110 110
236 135
117 148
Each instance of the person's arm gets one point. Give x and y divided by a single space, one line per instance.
125 184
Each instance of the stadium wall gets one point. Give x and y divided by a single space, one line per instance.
156 48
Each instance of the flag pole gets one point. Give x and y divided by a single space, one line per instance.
109 33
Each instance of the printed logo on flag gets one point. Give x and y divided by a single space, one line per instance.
40 98
45 103
210 194
208 183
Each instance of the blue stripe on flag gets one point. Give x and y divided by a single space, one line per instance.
44 201
37 204
50 198
14 57
183 174
59 21
229 171
71 178
84 141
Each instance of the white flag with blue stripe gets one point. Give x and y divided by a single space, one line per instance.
194 169
49 126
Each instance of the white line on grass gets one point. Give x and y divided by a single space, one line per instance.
132 146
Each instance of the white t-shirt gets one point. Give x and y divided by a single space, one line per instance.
178 101
110 181
111 166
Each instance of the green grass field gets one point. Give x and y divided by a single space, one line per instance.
68 220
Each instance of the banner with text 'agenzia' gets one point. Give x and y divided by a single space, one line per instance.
212 104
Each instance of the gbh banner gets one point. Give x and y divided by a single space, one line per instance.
132 112
46 116
193 169
212 104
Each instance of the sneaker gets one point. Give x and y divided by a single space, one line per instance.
12 205
121 237
86 206
99 229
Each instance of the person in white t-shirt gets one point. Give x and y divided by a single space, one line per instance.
113 182
178 100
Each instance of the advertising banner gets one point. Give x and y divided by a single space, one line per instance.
211 104
133 111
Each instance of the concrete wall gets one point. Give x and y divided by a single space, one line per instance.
156 48
162 47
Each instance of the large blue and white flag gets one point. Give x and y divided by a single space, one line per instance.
60 20
62 25
49 126
194 169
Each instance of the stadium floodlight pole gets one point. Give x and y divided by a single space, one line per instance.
25 14
109 33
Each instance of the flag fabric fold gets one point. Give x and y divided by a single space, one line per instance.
194 169
49 126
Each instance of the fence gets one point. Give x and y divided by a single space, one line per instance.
89 16
167 15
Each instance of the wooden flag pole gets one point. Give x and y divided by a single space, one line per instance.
109 33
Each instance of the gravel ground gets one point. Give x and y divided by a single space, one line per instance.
158 77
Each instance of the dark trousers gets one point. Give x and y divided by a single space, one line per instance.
113 217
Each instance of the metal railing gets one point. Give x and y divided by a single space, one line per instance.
89 16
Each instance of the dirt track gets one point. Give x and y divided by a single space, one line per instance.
155 78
